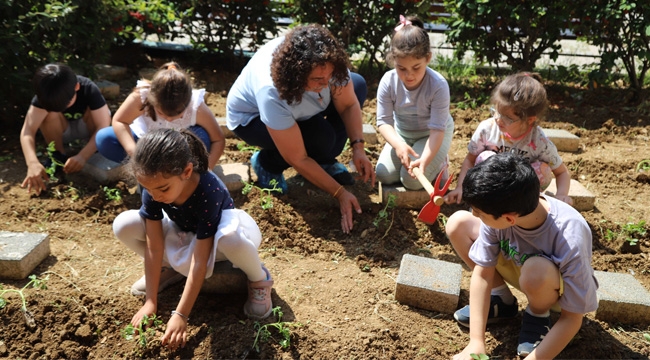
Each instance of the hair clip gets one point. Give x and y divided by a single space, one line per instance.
402 22
517 95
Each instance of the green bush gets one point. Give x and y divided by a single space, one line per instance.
221 26
621 30
364 27
515 32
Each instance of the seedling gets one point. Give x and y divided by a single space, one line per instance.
382 215
479 356
51 170
35 282
284 329
643 165
266 200
112 194
242 146
633 232
144 332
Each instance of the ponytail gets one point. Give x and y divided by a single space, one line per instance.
198 150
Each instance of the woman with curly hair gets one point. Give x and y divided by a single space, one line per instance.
298 102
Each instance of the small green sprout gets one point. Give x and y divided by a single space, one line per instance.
382 215
242 146
633 232
284 329
51 170
643 165
266 200
144 332
112 194
479 356
36 283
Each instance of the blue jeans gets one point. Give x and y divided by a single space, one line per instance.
324 134
110 147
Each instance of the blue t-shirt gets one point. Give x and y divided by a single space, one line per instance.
88 97
200 214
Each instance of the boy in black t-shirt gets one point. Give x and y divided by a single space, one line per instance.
66 107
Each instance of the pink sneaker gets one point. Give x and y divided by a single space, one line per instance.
259 305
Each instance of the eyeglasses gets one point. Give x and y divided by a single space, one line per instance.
497 116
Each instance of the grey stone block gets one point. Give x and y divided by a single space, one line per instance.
583 199
563 140
369 134
102 169
428 284
225 279
20 253
621 298
109 90
409 199
233 175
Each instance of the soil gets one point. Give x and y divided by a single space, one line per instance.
336 291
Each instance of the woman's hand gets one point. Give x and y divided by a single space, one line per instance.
176 333
363 165
348 204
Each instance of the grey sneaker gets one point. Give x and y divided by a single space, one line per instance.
498 311
259 305
168 277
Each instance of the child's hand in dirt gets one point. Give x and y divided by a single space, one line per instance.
147 309
176 333
74 164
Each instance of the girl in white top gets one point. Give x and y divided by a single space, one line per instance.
519 101
412 110
167 101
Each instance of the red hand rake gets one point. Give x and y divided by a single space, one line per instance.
431 209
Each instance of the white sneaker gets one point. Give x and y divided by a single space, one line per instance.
168 277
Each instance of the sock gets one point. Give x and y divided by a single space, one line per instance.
504 293
530 312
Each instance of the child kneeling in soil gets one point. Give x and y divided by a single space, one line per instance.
535 243
187 222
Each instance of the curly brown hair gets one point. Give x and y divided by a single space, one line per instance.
304 48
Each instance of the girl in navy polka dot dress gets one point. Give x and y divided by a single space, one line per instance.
186 223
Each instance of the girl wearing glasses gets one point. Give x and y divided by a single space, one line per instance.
519 101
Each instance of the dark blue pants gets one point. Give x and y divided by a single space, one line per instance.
323 134
110 147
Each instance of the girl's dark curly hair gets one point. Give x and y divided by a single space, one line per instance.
304 48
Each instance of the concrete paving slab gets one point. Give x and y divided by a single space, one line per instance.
583 199
409 199
233 175
369 134
428 284
20 253
102 169
621 298
563 140
225 279
109 90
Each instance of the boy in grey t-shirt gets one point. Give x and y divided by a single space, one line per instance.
535 243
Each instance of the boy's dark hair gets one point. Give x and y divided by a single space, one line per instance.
167 152
54 85
504 183
305 47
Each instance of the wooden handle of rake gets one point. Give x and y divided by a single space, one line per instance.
438 200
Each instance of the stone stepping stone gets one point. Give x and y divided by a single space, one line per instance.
20 253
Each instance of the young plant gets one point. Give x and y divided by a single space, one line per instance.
266 200
145 332
54 162
643 165
35 282
633 232
479 356
382 215
242 146
112 194
263 333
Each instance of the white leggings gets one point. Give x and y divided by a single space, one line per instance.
237 241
